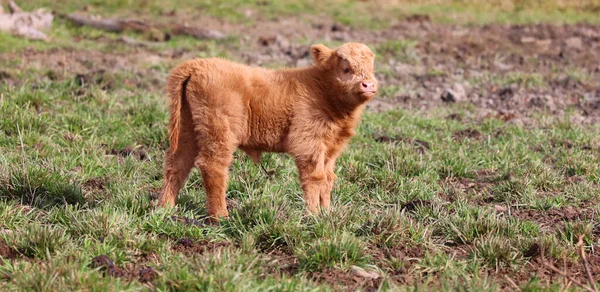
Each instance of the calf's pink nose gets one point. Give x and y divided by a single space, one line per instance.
368 86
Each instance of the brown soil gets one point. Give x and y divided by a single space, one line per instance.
138 271
7 253
189 246
95 184
409 255
554 218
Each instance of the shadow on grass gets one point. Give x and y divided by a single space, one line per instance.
41 188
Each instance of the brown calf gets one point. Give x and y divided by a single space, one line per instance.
217 106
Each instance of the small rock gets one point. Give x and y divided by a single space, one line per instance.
360 272
574 43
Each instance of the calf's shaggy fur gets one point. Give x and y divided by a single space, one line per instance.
217 106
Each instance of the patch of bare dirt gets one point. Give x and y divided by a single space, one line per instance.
189 246
7 252
142 273
409 255
554 218
482 183
95 184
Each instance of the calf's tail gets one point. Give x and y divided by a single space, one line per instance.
176 89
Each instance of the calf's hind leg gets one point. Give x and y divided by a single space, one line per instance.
216 153
179 163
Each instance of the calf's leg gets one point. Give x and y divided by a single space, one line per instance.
179 163
325 197
216 145
313 179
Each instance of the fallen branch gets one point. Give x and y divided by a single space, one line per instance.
586 266
111 25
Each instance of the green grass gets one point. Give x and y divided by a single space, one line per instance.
53 142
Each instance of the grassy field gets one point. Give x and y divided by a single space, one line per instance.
448 196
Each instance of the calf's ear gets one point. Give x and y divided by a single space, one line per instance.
320 53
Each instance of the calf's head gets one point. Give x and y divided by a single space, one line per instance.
348 69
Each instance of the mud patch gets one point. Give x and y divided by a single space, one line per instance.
108 268
190 247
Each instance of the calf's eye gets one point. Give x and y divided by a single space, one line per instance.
346 70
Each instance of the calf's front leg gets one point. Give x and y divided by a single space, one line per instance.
313 178
325 196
